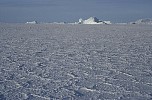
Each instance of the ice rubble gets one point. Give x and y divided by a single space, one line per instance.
75 62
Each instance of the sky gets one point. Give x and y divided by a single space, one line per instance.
20 11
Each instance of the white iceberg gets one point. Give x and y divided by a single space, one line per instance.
32 22
92 20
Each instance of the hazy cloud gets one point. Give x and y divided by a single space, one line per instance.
27 3
71 10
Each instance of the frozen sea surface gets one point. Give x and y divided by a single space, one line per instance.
75 62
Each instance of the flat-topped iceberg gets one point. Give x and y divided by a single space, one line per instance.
32 22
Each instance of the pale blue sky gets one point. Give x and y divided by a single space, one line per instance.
72 10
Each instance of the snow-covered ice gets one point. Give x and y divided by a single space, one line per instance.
75 62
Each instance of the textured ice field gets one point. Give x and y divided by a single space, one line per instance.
75 62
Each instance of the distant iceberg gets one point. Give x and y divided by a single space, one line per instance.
92 20
142 21
32 22
59 23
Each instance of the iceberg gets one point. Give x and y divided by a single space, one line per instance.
92 20
32 22
142 21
